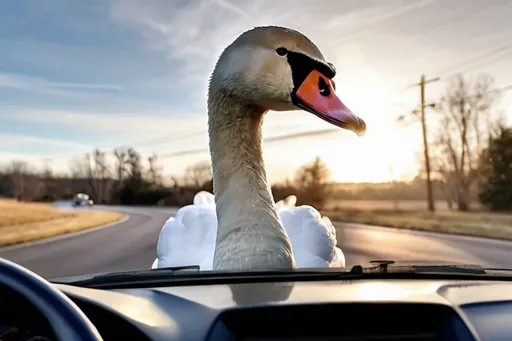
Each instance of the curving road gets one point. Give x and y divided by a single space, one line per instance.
128 245
131 245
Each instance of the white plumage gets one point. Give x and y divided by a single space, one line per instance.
189 237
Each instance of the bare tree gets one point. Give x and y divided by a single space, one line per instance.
18 171
121 155
26 185
154 171
311 181
47 169
466 111
103 176
198 174
47 179
79 168
94 168
134 164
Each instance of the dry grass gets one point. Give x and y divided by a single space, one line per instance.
388 205
479 224
24 222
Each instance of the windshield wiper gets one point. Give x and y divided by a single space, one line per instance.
127 276
191 275
386 266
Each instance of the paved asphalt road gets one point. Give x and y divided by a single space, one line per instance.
131 245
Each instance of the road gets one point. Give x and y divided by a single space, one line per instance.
131 245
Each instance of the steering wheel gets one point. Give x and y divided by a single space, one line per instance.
66 319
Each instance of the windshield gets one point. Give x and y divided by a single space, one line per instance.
241 135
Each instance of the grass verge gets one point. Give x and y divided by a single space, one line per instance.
477 224
26 222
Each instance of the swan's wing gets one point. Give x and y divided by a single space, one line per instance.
286 203
279 205
313 238
204 198
188 238
290 201
339 258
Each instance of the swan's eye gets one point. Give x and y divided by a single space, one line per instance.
282 51
324 88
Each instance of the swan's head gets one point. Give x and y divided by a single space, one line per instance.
280 69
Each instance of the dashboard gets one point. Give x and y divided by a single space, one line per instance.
391 309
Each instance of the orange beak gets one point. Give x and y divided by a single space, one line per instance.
316 95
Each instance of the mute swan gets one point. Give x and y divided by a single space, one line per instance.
265 68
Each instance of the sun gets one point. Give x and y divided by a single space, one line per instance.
388 150
380 156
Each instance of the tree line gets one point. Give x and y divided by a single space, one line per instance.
472 160
129 182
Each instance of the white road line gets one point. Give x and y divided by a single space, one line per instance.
64 236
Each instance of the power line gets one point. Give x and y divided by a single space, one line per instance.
494 54
502 89
205 149
434 104
480 64
267 140
502 49
167 138
301 135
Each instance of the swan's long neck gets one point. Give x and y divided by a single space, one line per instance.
250 235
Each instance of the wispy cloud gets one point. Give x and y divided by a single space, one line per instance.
10 140
195 32
43 85
123 123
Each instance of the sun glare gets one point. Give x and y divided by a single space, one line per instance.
387 151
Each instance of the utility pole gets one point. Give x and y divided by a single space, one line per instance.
422 84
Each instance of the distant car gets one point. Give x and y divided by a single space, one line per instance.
81 199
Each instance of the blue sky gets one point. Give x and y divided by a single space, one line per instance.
100 73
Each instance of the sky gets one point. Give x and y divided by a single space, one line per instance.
77 75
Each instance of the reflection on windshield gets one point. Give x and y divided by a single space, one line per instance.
173 136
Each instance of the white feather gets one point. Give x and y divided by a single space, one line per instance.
189 237
204 198
288 202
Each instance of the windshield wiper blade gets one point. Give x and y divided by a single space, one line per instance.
179 268
467 269
189 275
138 275
184 276
383 266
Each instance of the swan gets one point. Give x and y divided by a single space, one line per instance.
180 243
239 227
